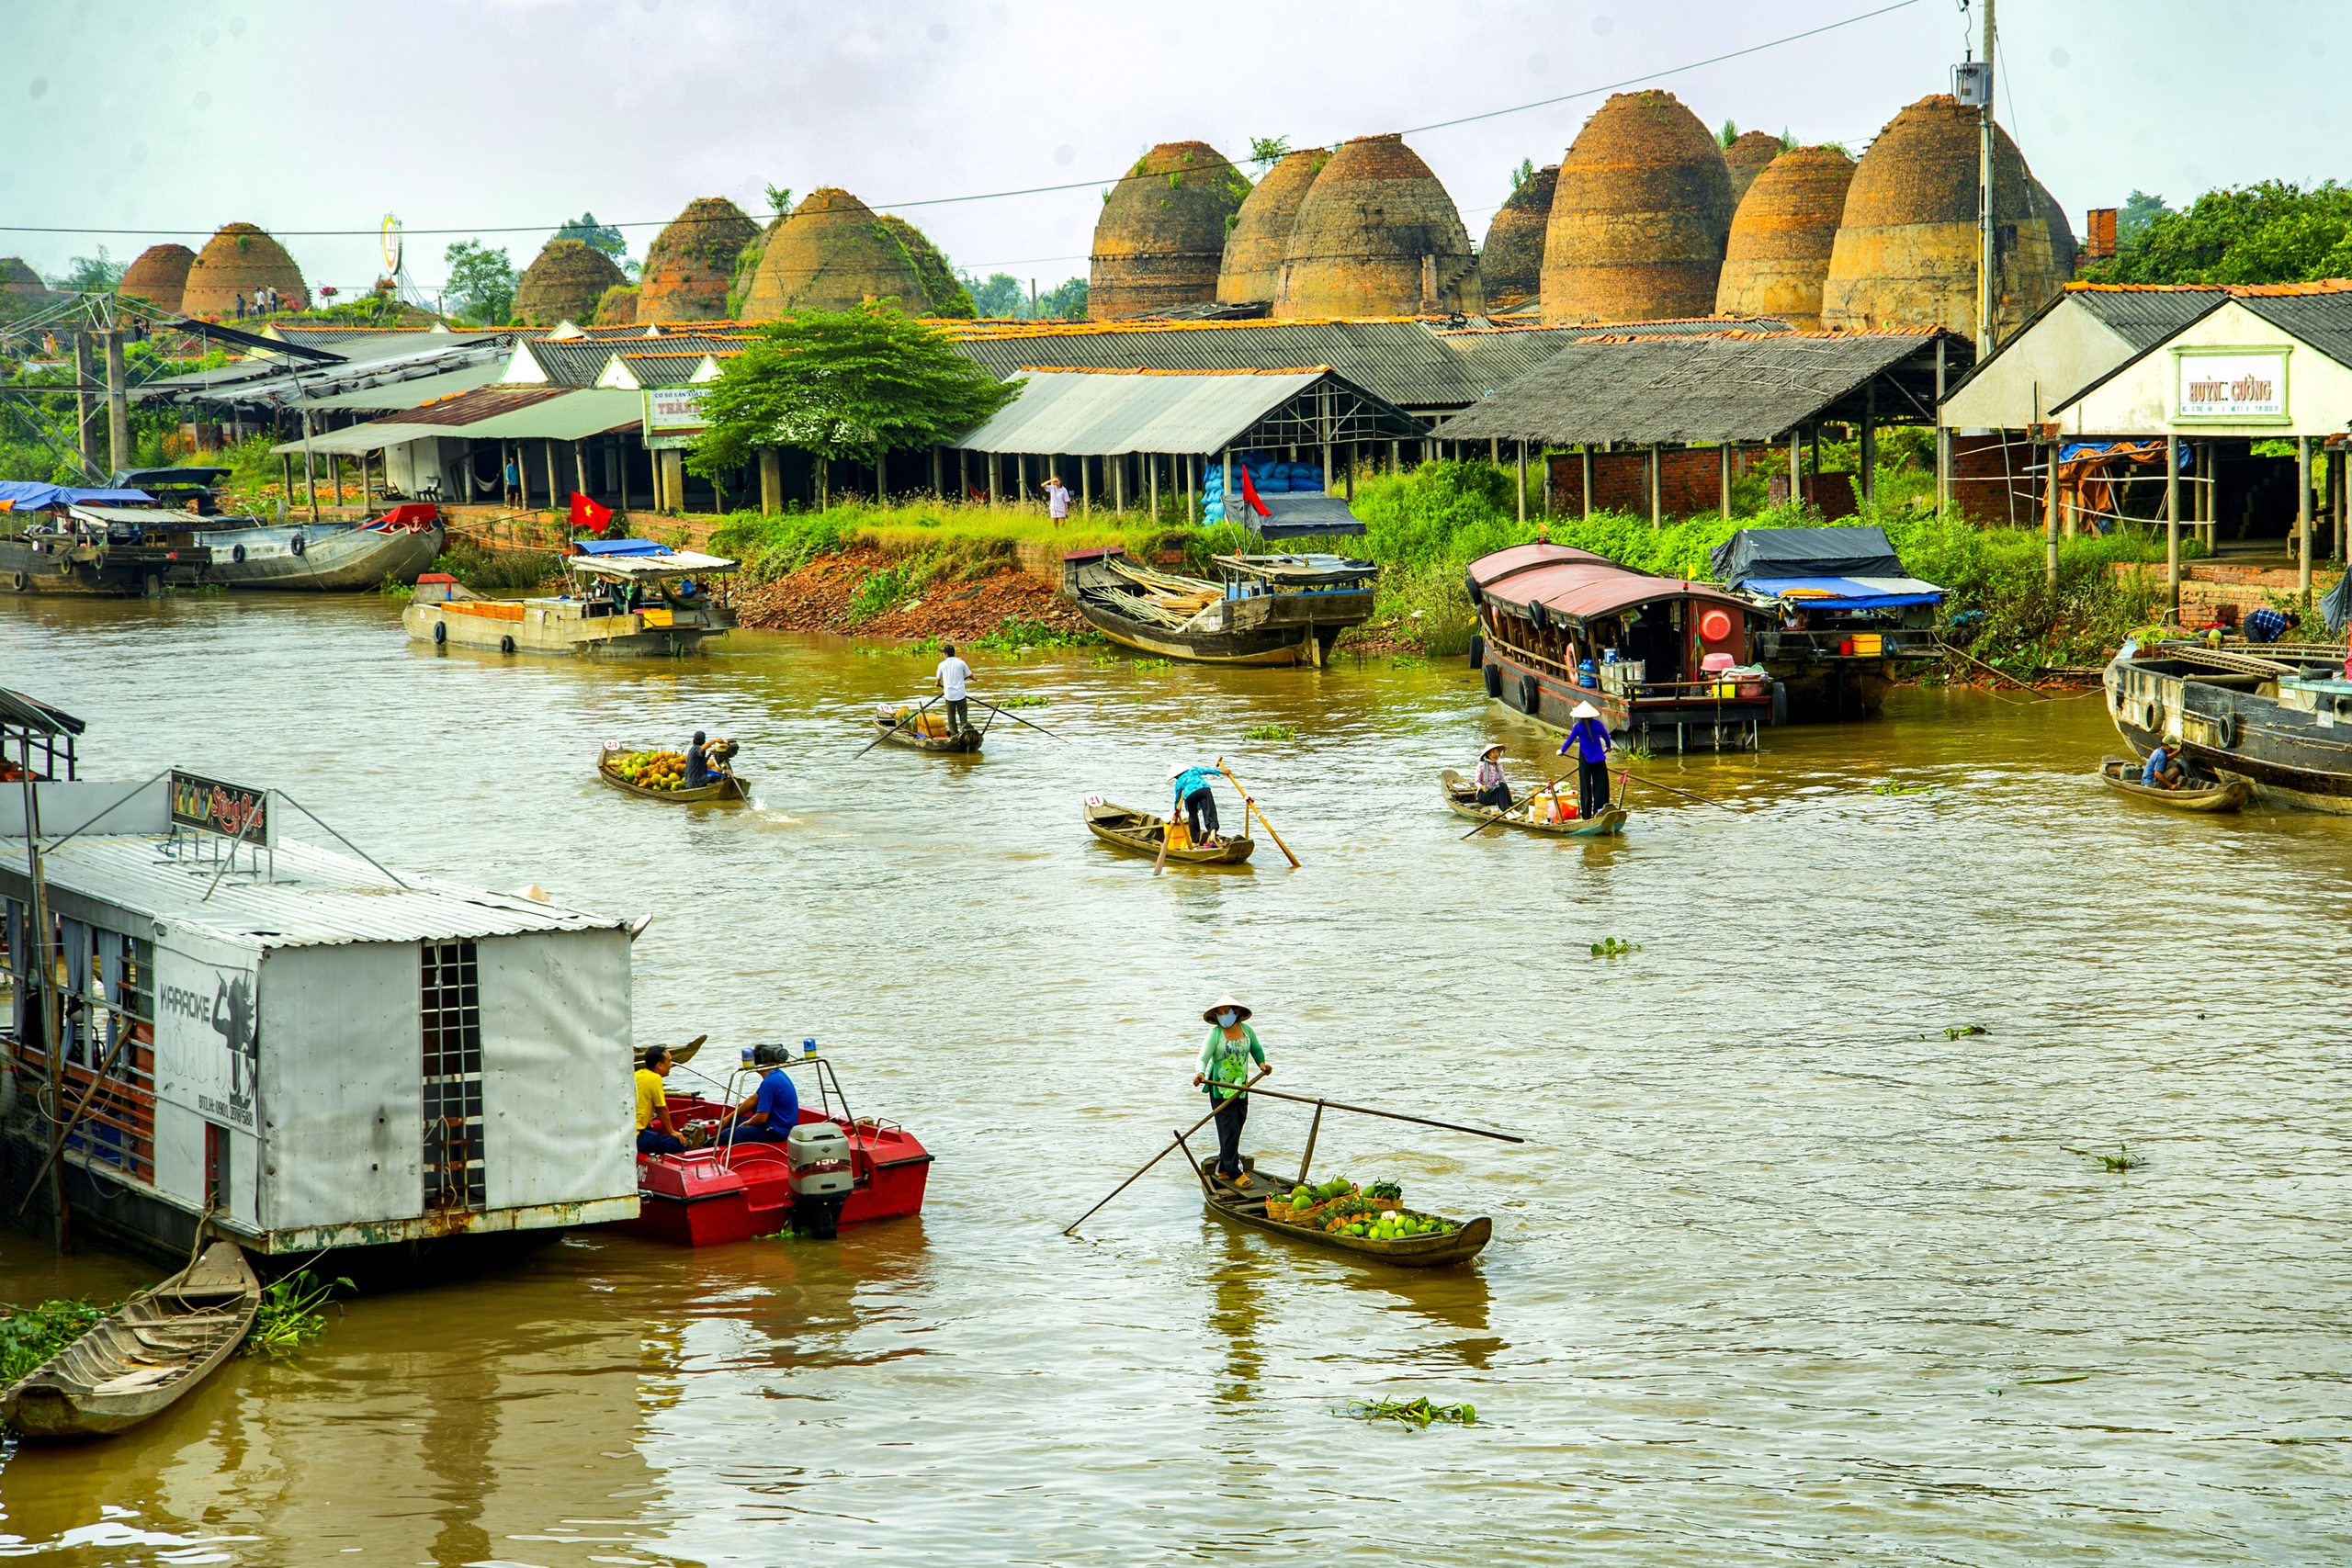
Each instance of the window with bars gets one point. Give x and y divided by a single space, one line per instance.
452 1007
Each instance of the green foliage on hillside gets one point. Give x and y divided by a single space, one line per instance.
2272 232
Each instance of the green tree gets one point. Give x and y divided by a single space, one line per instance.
780 200
1729 134
601 236
861 383
1524 172
2272 232
481 283
1066 301
2139 210
89 274
1267 150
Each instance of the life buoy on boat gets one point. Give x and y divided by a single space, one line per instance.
2225 730
1495 681
1535 614
19 581
1530 694
238 554
440 631
297 545
2152 715
506 645
1478 650
1470 585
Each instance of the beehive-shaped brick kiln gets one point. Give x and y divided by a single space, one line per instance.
1782 237
159 275
1253 251
565 284
1905 255
1377 236
1160 239
237 261
618 308
942 293
16 277
688 264
1750 153
1640 217
832 253
1510 263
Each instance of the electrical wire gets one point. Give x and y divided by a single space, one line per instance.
1029 190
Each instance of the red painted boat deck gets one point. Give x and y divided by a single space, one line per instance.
710 1197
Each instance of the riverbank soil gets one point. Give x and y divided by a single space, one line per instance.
823 596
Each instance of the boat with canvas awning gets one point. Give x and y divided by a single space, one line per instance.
1849 621
628 598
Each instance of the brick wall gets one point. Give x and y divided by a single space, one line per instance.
1688 482
1984 473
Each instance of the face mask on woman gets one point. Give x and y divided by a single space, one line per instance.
1226 1018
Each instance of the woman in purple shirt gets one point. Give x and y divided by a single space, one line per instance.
1591 738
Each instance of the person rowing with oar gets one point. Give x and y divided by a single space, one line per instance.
1589 738
1231 1046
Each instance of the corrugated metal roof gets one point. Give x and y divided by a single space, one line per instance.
2322 321
372 437
1082 414
2145 317
318 898
292 383
1742 387
577 362
567 416
413 391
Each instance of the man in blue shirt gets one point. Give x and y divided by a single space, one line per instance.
697 763
1591 738
1193 799
2163 770
2267 624
769 1116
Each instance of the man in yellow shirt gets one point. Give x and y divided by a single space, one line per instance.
654 1133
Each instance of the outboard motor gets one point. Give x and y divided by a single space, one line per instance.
821 1178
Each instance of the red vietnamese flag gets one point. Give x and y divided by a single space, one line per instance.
1250 494
586 513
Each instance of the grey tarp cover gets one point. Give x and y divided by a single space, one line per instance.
1295 516
1804 552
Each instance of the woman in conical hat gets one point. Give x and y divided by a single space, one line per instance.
1231 1046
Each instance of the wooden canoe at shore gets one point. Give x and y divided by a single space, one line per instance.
1462 800
1246 1206
2205 795
1140 833
151 1349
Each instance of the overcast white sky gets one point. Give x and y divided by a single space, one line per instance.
173 117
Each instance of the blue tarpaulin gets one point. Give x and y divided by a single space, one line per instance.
28 495
619 547
1847 592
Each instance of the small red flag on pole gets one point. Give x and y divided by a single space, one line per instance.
586 513
1250 494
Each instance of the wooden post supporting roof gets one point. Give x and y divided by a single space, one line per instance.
2172 529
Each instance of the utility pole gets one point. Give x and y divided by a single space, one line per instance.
1984 201
117 404
85 402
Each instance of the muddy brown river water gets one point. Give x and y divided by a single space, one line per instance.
1784 1273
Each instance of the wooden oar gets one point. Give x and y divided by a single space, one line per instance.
1155 1160
1248 805
1684 793
1167 826
1391 1116
1496 817
1017 719
894 725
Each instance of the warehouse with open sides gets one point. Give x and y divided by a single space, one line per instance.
304 1048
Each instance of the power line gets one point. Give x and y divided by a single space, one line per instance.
1025 190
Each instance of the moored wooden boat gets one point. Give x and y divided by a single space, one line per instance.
1275 609
1246 1206
729 787
1462 799
919 732
1140 833
2208 795
151 1349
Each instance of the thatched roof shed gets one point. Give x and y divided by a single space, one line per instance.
1161 238
1510 263
689 264
158 275
1252 267
1750 153
1640 217
565 284
830 254
1377 236
1782 237
943 295
235 262
1905 255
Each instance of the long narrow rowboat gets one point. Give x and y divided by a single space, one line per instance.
2201 795
729 787
1247 1207
1462 800
1140 833
153 1349
921 733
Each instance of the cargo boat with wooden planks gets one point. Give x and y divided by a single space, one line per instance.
2279 719
629 598
1271 609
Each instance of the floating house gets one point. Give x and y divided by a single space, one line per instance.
311 1049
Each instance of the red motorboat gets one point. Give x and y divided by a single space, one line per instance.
708 1197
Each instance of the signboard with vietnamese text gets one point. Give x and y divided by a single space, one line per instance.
673 416
2234 386
234 811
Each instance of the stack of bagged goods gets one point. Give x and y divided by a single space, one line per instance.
1269 475
930 722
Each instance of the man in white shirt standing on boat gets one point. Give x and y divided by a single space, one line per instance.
949 678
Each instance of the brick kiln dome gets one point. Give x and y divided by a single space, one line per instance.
1253 251
1160 239
687 266
15 277
1640 217
1510 263
1377 236
565 284
1750 153
1905 255
832 253
942 293
1781 236
239 260
618 307
159 275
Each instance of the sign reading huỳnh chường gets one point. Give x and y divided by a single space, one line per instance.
2233 386
234 811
